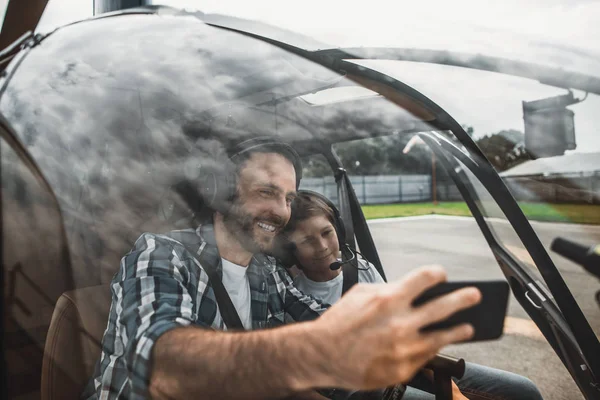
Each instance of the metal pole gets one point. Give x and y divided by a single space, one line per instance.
594 178
399 188
433 185
591 186
104 6
364 191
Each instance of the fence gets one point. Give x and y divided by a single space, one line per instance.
574 189
386 189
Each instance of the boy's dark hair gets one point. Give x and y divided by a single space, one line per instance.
306 206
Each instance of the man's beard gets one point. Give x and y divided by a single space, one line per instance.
243 226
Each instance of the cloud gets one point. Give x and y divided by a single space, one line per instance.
560 33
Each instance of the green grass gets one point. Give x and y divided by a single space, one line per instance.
573 213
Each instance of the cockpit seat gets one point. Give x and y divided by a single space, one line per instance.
73 343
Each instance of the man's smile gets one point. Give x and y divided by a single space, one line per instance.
268 227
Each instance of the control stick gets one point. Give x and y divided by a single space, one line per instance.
587 257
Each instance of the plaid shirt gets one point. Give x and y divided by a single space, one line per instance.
161 286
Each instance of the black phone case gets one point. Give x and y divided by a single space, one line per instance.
487 317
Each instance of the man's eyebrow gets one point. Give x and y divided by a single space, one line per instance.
268 185
273 186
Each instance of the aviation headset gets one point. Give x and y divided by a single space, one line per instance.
289 259
338 223
219 184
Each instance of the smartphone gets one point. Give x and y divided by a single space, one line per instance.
487 317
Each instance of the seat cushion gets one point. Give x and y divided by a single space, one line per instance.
73 344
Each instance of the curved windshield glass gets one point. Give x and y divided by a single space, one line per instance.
35 265
134 121
134 124
556 190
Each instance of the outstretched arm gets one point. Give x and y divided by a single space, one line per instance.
234 365
331 351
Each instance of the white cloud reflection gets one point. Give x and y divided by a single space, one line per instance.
127 123
558 32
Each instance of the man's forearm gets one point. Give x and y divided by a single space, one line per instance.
237 365
383 344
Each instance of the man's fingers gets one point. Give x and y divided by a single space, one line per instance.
418 280
431 343
444 306
438 339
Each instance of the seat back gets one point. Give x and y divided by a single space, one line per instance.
73 343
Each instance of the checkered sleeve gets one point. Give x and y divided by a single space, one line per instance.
297 305
153 297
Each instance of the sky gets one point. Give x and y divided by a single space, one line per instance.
562 33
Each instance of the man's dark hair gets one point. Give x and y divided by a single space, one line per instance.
240 153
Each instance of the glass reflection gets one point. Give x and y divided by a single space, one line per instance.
36 269
113 135
117 136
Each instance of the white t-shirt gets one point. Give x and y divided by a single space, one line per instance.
235 280
329 292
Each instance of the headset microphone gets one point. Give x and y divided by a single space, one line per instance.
339 262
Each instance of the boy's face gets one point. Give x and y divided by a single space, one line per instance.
317 244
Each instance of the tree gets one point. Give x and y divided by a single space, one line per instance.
383 155
315 167
504 149
363 157
469 129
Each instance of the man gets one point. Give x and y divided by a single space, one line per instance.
159 343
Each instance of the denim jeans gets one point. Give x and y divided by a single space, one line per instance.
480 383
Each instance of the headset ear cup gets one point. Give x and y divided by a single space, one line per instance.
230 191
340 228
218 189
290 258
284 250
209 189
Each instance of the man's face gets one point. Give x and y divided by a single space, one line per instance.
261 209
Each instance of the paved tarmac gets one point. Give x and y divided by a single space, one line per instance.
457 243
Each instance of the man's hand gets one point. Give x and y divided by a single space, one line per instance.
456 393
371 338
